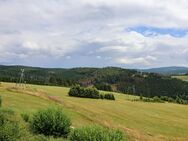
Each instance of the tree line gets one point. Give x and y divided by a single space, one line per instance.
108 79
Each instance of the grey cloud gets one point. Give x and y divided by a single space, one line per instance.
51 30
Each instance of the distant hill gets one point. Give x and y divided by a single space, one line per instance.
110 79
168 70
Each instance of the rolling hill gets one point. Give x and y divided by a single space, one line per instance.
141 121
109 78
168 70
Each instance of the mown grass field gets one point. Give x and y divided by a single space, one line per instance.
139 120
182 77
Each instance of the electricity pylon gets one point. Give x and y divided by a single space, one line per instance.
21 81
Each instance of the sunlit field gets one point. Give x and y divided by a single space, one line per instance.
139 120
182 77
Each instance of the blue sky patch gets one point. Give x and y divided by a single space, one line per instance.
153 31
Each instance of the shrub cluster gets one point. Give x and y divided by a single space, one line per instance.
162 99
51 122
180 100
96 133
78 91
109 96
154 99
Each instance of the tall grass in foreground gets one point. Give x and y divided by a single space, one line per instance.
25 116
9 127
96 133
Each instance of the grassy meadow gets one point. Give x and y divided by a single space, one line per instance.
182 77
142 121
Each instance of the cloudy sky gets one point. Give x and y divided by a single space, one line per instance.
94 33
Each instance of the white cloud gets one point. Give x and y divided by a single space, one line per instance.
140 60
56 29
30 45
113 48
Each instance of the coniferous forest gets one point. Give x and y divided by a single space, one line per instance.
109 79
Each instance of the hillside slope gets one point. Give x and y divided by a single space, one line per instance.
110 78
139 120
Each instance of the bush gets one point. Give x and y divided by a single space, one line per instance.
25 117
9 128
78 91
50 122
91 93
101 96
164 98
109 96
170 99
96 133
178 100
147 100
157 99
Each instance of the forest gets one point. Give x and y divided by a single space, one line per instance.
109 79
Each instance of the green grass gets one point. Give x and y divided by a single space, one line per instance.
182 77
139 120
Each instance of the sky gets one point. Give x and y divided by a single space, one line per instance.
94 33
